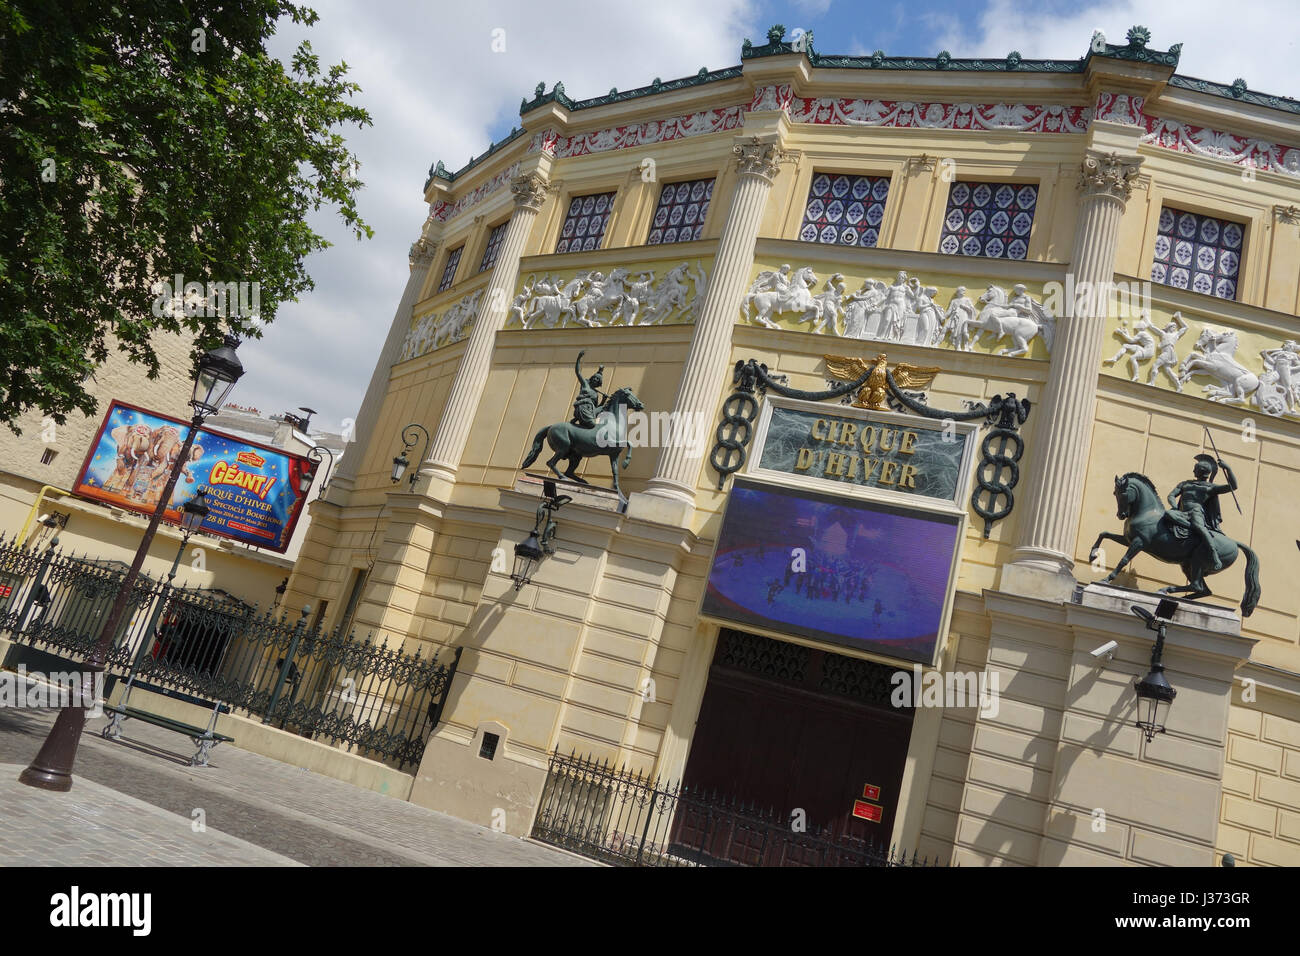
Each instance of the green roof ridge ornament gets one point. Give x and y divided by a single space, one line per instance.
776 33
1238 87
1138 37
878 58
540 91
943 59
1013 59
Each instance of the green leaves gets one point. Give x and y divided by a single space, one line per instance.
127 157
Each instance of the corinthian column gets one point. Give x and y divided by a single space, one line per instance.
421 260
1044 557
757 163
462 404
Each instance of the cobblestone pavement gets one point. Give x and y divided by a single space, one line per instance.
256 811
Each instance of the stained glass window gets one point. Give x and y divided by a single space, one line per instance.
493 247
449 270
844 210
1197 252
989 219
584 224
679 217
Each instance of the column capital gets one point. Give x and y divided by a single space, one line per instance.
529 191
1108 174
422 251
761 158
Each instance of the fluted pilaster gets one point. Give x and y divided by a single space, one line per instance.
757 163
467 388
421 259
1049 524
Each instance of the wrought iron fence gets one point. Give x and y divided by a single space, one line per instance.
627 819
377 701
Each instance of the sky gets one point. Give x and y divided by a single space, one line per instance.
436 89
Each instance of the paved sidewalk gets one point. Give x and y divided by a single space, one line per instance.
133 803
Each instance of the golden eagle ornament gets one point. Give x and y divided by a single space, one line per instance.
874 393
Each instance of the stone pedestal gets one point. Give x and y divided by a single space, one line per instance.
1059 774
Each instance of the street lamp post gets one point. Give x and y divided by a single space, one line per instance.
218 371
193 513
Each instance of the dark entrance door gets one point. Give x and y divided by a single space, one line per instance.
786 728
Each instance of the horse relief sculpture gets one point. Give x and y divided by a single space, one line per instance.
624 297
1187 534
1274 390
434 331
598 429
902 311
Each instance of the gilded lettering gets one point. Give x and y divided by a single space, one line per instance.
908 477
887 472
909 443
804 460
869 439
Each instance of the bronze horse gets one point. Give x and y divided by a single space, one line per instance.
575 442
1147 527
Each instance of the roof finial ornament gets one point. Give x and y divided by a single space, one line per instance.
776 33
1138 36
1238 87
1013 59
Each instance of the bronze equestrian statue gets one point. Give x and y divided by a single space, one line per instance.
1188 536
599 428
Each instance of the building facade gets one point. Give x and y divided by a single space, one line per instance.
1109 239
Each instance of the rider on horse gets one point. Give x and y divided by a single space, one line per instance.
1198 501
590 401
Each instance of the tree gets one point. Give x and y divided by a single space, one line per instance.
145 139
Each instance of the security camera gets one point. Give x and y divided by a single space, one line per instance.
1106 650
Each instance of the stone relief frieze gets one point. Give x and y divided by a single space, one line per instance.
623 297
902 311
1274 390
435 330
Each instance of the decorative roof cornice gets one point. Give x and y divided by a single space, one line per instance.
557 94
438 171
1236 90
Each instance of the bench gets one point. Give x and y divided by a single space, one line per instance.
204 738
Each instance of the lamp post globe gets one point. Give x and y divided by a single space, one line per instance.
219 370
400 464
194 511
1155 694
527 553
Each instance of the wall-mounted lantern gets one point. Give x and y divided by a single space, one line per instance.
539 543
317 454
1154 692
410 435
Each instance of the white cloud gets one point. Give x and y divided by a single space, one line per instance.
1255 40
436 90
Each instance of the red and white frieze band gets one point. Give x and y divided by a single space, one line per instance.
847 111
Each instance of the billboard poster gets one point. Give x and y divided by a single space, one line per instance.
252 489
872 575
